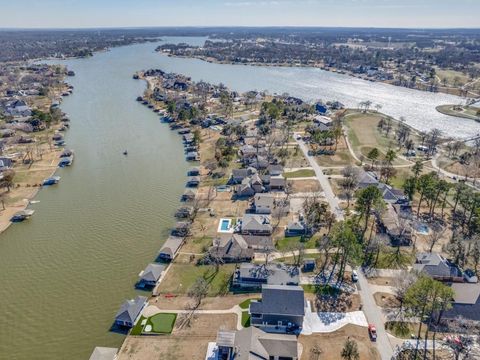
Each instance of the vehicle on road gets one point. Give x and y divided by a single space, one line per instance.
354 276
372 332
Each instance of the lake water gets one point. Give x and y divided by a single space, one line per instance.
65 272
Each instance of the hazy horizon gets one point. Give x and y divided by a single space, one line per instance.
86 14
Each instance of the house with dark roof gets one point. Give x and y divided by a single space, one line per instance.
249 275
295 228
130 311
150 276
275 170
189 195
252 343
231 248
238 175
466 302
277 183
389 223
282 308
437 267
255 224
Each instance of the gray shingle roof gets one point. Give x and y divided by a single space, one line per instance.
280 300
130 309
152 272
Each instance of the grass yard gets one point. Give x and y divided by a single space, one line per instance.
299 174
162 323
245 319
364 135
181 277
404 330
283 244
394 258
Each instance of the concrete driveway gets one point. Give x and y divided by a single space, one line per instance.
325 322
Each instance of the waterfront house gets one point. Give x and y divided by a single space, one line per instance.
130 311
150 276
231 248
253 343
282 308
263 203
255 224
437 267
104 353
253 276
189 195
192 156
18 108
170 248
321 108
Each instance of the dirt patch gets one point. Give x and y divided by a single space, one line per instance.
305 186
331 344
209 303
384 281
188 343
386 300
339 303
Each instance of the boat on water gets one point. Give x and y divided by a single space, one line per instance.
66 153
65 161
22 215
51 180
125 152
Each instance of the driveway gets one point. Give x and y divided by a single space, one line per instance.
374 316
323 180
325 322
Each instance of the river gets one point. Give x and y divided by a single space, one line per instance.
65 272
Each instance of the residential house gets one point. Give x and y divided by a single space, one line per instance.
295 228
275 170
282 308
232 248
439 268
389 223
130 311
238 175
255 275
18 108
277 183
252 343
263 203
244 190
255 224
389 194
321 108
256 243
466 302
150 276
256 183
170 248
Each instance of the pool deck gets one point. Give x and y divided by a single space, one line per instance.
229 229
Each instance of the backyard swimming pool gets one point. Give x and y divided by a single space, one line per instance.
225 226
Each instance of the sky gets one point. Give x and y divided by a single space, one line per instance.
145 13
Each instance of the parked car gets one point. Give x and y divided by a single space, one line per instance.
354 276
470 277
372 332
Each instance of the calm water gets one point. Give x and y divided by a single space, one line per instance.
65 272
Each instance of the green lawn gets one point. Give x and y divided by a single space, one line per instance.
319 289
283 244
299 174
246 303
245 319
162 323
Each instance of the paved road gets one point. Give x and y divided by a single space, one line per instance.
323 180
374 316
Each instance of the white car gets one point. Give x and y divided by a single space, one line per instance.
354 276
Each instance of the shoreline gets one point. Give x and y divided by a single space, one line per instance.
443 90
447 110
